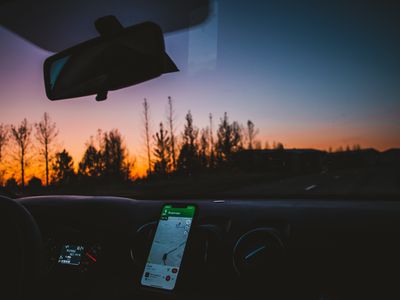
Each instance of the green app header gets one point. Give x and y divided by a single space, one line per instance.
184 212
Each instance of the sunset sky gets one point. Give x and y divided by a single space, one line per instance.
307 76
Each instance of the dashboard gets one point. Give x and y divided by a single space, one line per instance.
96 248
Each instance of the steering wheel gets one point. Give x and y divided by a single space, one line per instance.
20 251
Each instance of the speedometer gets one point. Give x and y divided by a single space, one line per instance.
258 252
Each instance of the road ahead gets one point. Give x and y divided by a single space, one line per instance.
383 181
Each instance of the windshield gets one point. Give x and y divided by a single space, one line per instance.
288 99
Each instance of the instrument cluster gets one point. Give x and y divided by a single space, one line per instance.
69 255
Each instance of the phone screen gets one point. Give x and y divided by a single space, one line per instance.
166 253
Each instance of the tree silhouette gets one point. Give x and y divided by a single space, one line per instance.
204 147
21 135
211 162
257 145
229 140
146 121
63 168
34 184
4 136
172 137
188 160
237 137
251 133
128 166
12 185
110 161
90 165
339 149
279 146
161 152
46 132
224 139
113 155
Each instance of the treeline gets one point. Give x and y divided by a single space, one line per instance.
224 147
228 147
109 162
34 146
195 149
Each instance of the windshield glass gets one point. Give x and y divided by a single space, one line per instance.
288 99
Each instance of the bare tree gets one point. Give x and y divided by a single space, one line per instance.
204 148
146 120
22 138
46 133
251 133
211 140
171 126
4 136
210 117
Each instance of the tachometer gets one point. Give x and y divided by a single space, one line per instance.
90 257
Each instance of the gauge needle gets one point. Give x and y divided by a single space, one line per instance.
254 252
91 257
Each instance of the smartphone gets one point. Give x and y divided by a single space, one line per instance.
168 247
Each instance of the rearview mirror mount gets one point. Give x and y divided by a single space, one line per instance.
119 58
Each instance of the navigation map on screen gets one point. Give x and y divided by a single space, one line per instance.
165 257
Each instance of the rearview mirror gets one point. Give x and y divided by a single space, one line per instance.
119 58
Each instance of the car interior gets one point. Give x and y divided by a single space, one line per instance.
327 230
